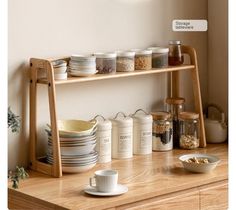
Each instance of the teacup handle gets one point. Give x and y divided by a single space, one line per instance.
91 181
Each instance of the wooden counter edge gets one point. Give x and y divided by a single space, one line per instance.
19 200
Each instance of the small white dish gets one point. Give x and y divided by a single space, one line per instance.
60 76
121 189
82 74
60 70
199 167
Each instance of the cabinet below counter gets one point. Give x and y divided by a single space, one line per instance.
156 181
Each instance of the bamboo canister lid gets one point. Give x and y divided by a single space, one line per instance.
188 115
161 115
175 101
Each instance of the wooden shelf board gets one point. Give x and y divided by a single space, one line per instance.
118 75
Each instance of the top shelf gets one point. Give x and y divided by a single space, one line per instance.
117 75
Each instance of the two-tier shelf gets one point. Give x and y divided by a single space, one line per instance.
37 66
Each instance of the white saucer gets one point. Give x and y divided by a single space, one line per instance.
119 190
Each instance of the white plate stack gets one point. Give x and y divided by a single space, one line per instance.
77 150
82 66
60 68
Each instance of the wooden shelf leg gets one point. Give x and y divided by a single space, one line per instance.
197 91
33 115
56 167
175 84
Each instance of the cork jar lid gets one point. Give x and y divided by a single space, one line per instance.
175 101
188 115
160 115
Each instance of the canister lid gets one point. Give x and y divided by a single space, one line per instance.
102 123
142 117
125 53
188 115
105 55
142 52
161 115
174 42
159 49
122 120
175 101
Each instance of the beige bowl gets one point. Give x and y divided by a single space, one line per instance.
75 127
199 167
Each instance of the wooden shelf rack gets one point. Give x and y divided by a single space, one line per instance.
39 67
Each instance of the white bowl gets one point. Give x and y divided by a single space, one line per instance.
75 128
59 63
61 76
60 70
199 167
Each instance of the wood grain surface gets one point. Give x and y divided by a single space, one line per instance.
147 177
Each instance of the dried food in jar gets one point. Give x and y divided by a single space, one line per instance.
105 62
143 60
159 57
125 61
189 142
175 55
162 132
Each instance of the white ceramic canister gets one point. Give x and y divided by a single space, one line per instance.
142 133
122 136
103 136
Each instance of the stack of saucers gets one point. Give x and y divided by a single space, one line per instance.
60 67
82 66
77 144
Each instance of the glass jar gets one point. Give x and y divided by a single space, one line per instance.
159 57
125 61
103 137
175 56
162 132
175 106
142 132
122 136
189 130
143 59
105 62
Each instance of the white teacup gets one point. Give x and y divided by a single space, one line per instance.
104 180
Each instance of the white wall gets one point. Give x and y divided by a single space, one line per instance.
43 28
218 53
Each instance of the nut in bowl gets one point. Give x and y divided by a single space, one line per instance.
199 163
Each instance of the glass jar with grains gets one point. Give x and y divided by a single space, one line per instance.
125 61
162 132
143 59
188 130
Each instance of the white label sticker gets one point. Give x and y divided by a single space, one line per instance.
124 142
146 139
189 25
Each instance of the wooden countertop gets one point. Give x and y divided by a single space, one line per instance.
146 176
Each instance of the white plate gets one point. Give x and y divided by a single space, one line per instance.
79 150
121 189
82 74
77 169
